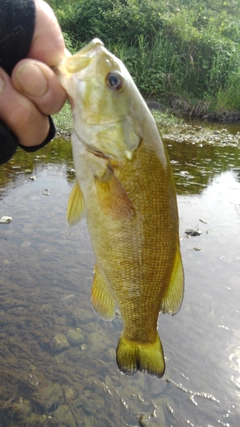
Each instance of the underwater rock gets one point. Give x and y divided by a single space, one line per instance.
83 316
21 409
97 342
60 342
68 300
75 337
83 347
145 420
93 402
51 396
69 394
35 420
64 416
25 244
88 421
193 233
5 219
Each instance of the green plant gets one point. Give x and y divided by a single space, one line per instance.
184 48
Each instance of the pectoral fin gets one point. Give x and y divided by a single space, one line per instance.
172 301
75 208
102 300
112 198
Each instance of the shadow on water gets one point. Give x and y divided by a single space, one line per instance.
57 358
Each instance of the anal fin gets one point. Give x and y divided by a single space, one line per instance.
172 301
102 300
75 208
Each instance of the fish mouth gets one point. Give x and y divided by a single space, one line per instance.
82 59
91 46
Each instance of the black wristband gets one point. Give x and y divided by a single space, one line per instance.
8 143
51 134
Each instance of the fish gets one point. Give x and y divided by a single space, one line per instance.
125 189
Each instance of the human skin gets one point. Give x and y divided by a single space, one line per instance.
33 91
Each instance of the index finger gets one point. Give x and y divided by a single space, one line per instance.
47 44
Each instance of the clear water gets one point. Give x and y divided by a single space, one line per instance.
45 283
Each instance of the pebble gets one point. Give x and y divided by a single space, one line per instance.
52 396
83 347
93 403
25 244
144 420
69 394
68 300
64 416
97 342
5 219
60 342
193 233
75 337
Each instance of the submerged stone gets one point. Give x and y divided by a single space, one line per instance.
64 416
75 337
193 233
69 394
68 300
60 342
5 219
51 396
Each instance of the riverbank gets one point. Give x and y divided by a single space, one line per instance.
166 119
182 108
186 55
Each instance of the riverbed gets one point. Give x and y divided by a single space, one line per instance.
57 357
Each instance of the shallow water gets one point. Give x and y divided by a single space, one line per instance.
45 283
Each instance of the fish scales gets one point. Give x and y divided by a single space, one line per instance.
126 186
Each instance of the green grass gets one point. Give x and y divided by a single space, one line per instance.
63 120
184 49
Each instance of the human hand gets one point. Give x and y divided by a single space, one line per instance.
33 91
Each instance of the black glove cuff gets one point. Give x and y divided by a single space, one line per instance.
50 136
9 142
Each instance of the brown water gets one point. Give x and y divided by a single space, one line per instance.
45 282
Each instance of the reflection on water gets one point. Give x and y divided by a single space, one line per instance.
57 358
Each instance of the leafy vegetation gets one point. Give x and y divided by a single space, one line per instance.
187 49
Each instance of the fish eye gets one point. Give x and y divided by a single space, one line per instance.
114 81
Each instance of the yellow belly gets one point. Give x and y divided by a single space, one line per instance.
132 218
136 255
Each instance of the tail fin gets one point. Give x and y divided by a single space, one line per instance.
133 356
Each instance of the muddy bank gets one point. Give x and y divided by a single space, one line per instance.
182 108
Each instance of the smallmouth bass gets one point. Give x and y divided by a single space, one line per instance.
126 190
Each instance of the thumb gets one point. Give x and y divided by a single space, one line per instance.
38 82
48 43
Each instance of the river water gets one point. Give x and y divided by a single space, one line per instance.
45 284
